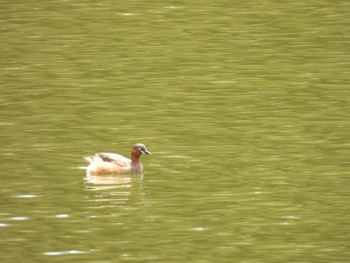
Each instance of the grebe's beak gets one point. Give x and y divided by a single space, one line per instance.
144 151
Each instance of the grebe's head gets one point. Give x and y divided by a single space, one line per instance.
141 148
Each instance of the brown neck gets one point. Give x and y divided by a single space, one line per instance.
135 155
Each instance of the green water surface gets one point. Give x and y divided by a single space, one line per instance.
244 106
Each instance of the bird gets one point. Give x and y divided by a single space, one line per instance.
113 163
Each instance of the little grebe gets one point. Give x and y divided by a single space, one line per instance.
112 163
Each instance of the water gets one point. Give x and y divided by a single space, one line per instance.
244 106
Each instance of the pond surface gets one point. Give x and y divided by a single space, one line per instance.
244 106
